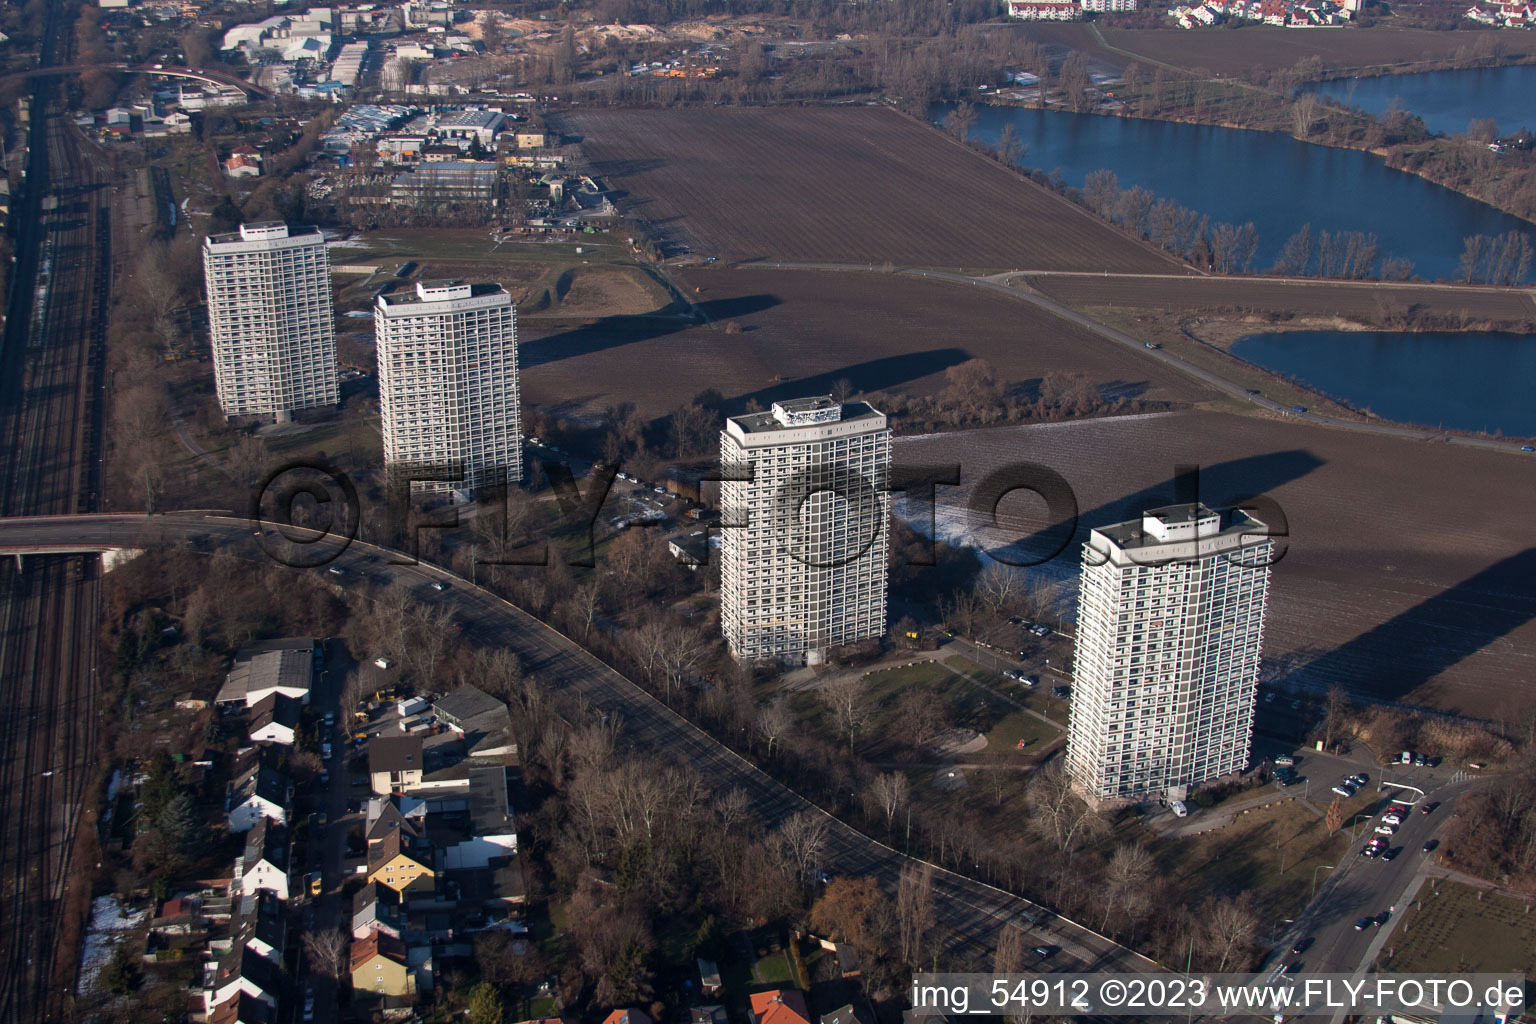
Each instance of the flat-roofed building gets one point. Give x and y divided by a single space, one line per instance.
803 551
1170 622
448 391
271 320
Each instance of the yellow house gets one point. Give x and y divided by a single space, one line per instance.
401 862
378 965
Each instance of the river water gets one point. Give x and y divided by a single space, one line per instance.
1264 177
1447 100
1461 381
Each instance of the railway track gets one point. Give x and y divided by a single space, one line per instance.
51 370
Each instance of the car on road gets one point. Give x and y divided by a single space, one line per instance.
1150 344
1527 448
1429 808
1429 847
1386 830
1364 923
336 570
1298 408
1390 852
1301 946
438 585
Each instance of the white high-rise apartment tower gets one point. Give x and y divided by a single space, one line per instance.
1169 625
804 569
448 394
271 319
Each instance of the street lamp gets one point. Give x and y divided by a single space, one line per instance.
1315 870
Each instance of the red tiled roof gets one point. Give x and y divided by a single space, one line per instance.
780 1006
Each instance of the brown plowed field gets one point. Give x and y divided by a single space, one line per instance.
810 328
1302 298
839 185
1408 574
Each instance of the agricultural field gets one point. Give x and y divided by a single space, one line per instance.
838 185
785 333
1407 566
1236 53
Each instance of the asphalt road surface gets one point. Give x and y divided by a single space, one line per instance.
969 913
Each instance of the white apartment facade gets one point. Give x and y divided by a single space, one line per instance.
1170 624
448 390
271 320
803 543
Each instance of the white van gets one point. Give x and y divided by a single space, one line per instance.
1179 810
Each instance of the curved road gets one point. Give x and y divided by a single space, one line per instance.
998 283
969 913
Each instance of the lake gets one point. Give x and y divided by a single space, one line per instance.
1268 178
1447 100
1474 381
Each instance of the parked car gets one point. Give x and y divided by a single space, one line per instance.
1045 952
1360 778
1391 819
1285 761
1180 810
1364 923
1390 852
1429 847
1301 946
1418 760
1386 830
438 585
1343 791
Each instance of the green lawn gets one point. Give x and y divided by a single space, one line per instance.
1448 929
773 969
1269 851
1009 730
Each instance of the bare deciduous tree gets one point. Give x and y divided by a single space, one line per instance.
772 721
328 951
889 792
1060 815
802 839
849 700
914 910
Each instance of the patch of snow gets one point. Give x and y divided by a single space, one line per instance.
347 243
110 922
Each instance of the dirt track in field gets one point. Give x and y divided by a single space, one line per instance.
1409 564
842 185
811 328
1301 298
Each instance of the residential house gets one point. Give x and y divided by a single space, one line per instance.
846 1015
285 666
378 965
628 1017
242 1008
243 162
395 763
402 860
376 908
261 793
275 719
779 1006
260 927
264 864
243 971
